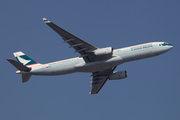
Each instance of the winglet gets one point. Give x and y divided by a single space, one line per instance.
45 20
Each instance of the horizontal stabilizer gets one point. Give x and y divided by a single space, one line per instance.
18 65
25 77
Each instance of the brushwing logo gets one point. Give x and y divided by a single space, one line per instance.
22 60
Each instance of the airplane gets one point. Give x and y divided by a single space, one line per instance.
101 62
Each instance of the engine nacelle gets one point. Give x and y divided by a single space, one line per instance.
118 75
104 52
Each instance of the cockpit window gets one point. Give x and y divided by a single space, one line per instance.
165 44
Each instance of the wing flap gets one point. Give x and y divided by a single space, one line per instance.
99 79
98 84
78 44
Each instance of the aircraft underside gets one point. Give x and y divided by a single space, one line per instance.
101 62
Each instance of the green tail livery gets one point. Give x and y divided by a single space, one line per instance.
24 59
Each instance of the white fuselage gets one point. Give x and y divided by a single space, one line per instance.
120 56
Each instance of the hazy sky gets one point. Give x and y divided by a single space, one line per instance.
151 90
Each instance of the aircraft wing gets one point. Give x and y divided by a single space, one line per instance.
99 79
78 44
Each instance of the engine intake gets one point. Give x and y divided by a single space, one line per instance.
118 75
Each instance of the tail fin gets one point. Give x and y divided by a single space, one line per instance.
24 59
22 63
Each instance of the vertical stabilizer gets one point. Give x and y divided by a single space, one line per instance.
24 59
24 64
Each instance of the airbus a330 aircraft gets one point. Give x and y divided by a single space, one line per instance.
101 62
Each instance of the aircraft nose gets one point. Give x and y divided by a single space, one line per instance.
170 47
167 48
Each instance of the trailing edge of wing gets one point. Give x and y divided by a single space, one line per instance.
98 83
78 44
99 79
68 37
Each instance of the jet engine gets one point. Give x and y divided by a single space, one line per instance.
118 75
104 52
